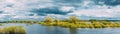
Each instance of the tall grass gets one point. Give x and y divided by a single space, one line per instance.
12 30
74 22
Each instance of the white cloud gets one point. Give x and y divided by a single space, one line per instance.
99 11
87 3
67 8
11 1
19 9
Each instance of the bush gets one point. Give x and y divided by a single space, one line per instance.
13 30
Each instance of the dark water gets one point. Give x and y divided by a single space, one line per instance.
38 29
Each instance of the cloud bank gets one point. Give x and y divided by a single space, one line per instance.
38 9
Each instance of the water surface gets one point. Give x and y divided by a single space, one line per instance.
38 29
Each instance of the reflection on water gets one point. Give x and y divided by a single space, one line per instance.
54 30
49 29
73 30
38 29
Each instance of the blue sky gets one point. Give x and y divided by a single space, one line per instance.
38 9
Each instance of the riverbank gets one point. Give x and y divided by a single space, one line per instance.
82 25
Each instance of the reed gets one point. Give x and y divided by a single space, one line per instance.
12 30
74 22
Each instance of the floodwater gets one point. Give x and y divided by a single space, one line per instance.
38 29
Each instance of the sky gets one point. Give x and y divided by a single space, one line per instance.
39 9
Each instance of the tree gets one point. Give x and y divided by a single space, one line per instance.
92 20
57 20
74 19
49 19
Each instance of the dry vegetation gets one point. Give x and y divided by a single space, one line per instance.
74 22
12 30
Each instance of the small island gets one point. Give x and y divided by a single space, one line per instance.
74 22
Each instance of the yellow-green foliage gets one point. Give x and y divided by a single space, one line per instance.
49 24
49 19
74 19
57 20
74 22
82 25
13 30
